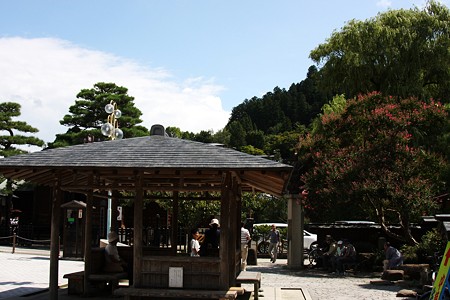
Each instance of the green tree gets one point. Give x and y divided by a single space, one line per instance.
255 138
174 132
204 137
249 149
376 158
13 140
283 145
263 208
335 106
400 52
237 134
222 137
88 114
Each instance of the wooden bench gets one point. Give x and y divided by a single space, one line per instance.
76 279
130 292
250 277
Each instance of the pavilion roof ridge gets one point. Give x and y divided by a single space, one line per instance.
143 152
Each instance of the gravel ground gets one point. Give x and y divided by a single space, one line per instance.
322 285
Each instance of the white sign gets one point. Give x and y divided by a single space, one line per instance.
175 277
119 214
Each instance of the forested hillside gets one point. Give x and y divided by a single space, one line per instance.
282 110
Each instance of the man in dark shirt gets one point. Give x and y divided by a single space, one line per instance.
211 243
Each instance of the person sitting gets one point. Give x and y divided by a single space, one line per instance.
337 254
329 254
393 257
349 256
113 262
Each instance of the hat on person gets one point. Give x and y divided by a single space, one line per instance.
112 236
214 221
339 242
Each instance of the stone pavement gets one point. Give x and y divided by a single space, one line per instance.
322 285
27 272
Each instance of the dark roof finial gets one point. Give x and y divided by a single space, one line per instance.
158 130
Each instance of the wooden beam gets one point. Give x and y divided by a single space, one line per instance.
160 188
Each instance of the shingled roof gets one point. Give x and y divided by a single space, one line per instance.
166 164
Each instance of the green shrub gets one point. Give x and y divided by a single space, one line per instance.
430 243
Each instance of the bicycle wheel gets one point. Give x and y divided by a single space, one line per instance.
312 257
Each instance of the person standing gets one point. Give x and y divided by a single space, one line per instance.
274 239
195 245
210 246
245 239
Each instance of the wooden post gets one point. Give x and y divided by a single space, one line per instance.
233 232
14 242
295 232
54 239
88 234
114 212
138 226
224 251
174 224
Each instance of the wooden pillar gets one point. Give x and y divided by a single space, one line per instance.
234 238
174 224
225 241
138 227
295 232
88 234
114 212
54 239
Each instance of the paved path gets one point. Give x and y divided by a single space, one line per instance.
322 285
26 272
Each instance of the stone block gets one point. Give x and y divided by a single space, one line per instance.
393 275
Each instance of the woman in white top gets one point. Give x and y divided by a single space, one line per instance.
195 245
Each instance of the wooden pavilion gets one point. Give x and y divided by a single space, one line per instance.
155 163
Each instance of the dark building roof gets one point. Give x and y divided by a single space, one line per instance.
166 163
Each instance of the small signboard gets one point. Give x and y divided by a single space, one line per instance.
119 213
175 277
442 278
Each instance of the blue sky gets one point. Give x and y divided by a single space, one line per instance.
187 63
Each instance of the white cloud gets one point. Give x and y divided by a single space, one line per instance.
384 3
44 75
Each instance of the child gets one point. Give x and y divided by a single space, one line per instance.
195 245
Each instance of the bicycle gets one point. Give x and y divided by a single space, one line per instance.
314 254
